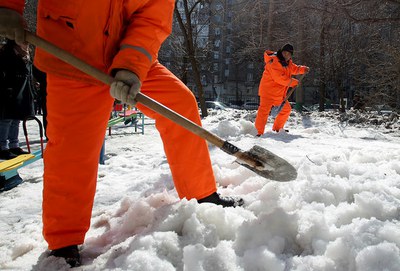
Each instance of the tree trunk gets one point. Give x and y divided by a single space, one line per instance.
322 84
187 31
270 21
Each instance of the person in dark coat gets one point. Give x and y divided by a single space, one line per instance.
15 103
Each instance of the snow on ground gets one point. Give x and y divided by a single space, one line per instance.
341 213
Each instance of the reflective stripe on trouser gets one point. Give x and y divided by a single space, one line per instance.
263 113
77 120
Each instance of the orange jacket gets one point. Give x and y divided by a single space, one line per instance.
108 34
277 77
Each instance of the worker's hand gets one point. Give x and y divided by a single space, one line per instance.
307 69
125 87
12 25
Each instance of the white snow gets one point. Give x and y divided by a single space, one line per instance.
341 213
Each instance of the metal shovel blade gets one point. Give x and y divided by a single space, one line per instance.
268 165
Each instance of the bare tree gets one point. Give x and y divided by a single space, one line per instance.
355 36
352 46
251 36
184 17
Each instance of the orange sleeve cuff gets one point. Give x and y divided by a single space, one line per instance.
132 60
302 69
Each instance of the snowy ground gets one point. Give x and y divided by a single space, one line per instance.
341 213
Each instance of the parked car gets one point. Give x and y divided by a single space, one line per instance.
215 105
383 109
236 104
250 106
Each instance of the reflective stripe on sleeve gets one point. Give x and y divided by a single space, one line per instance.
137 48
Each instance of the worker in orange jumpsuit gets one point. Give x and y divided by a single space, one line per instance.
122 38
275 81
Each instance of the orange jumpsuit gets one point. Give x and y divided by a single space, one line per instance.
275 81
108 34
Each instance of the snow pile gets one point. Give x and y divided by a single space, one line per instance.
341 213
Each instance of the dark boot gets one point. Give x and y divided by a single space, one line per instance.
18 151
281 130
223 201
6 155
70 254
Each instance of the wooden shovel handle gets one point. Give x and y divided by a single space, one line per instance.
288 95
107 79
293 89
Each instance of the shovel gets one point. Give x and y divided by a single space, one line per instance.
278 110
257 159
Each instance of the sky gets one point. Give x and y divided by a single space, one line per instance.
341 213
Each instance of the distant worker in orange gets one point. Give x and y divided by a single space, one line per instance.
275 81
122 38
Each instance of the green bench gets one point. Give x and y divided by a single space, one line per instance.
132 117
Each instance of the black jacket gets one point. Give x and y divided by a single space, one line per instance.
16 97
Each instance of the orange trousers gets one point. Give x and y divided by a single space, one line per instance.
78 113
263 112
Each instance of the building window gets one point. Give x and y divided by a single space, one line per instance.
204 80
216 55
226 72
215 67
249 77
218 7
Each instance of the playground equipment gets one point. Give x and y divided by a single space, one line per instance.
127 116
9 177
